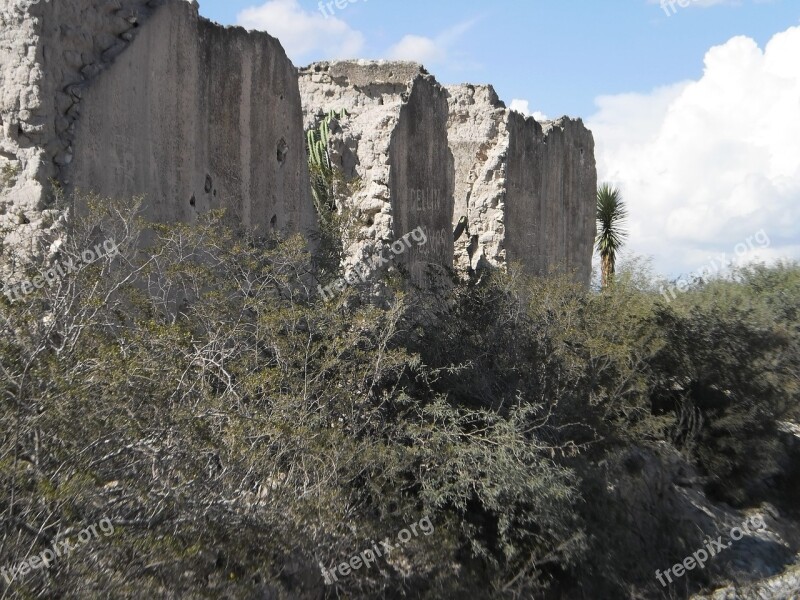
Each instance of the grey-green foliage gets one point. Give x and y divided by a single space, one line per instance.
506 411
252 411
8 174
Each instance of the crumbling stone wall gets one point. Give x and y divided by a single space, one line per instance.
198 117
550 210
144 97
527 188
49 53
422 179
479 138
395 141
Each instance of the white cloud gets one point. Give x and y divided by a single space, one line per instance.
523 107
303 33
706 164
429 51
418 49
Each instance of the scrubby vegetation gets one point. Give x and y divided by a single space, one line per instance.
8 174
241 434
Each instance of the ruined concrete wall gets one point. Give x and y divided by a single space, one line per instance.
527 188
550 205
197 116
422 180
479 138
143 97
395 141
49 53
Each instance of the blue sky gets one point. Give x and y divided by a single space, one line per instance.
560 54
637 76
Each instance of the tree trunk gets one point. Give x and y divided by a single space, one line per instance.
607 270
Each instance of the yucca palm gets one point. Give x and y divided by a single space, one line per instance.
611 216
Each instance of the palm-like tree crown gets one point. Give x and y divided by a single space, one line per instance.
611 216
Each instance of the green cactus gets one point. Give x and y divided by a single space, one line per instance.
325 131
332 114
319 161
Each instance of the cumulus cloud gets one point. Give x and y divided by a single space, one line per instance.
706 164
429 51
418 49
302 33
523 107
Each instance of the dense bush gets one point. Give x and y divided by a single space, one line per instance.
241 434
729 369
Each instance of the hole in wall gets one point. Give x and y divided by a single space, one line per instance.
283 150
192 201
209 184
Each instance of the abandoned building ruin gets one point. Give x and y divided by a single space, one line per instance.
129 98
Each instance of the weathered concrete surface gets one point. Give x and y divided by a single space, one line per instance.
198 117
550 212
478 137
395 141
527 188
144 97
49 51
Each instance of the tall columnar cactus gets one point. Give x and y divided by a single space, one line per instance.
319 161
325 132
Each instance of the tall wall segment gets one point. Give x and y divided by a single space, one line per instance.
144 97
526 188
394 140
